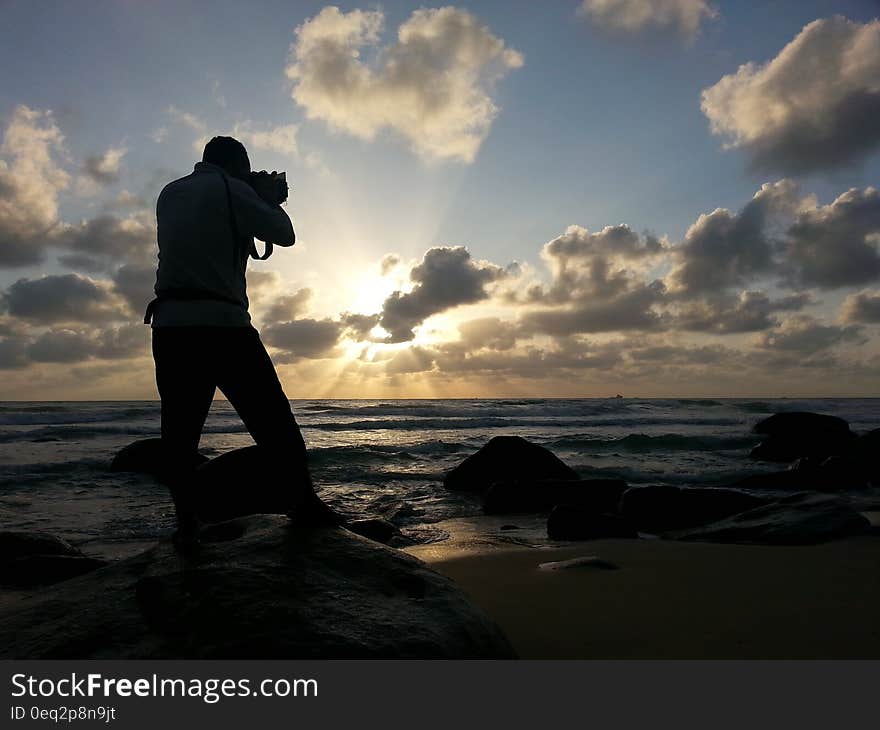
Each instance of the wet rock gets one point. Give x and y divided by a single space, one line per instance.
567 522
256 588
373 528
145 456
503 459
799 519
598 495
788 436
659 508
30 559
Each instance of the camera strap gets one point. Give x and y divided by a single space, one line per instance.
234 225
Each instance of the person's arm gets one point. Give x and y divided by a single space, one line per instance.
257 218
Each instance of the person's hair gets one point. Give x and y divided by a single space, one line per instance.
223 151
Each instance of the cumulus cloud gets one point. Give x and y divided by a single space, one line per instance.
837 245
683 17
863 307
803 334
61 346
433 85
98 243
303 338
724 249
750 311
446 278
597 283
288 307
490 332
134 283
30 180
104 168
814 106
62 298
358 326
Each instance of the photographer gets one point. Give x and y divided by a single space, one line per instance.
202 333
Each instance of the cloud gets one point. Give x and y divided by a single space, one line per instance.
303 338
104 168
358 326
723 249
812 107
134 283
282 138
61 346
750 311
597 283
99 243
62 298
433 86
30 180
861 308
637 16
836 245
806 335
288 307
446 278
489 332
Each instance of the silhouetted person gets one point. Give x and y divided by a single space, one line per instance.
202 333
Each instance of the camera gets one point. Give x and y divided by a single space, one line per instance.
271 186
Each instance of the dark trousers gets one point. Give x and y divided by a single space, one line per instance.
191 363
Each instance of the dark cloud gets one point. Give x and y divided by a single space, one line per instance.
358 326
489 332
723 249
751 311
134 283
13 352
102 242
303 338
104 168
861 308
288 307
122 343
389 261
812 107
63 298
446 278
61 346
806 335
836 245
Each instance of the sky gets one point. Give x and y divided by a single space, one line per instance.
567 199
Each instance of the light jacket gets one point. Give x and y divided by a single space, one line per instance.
201 275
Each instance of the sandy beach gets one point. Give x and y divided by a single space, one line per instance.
674 600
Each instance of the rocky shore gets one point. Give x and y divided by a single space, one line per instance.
262 587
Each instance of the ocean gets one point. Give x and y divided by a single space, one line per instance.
372 457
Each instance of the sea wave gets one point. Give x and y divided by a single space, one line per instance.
640 442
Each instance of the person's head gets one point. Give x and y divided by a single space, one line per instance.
228 153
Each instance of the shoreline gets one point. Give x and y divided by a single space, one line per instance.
676 600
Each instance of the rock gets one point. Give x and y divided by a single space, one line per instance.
144 457
587 561
800 433
256 588
506 458
659 508
574 523
41 570
33 558
241 482
805 518
598 495
374 528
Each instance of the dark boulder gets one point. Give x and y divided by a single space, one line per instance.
800 519
242 482
145 457
506 458
30 559
598 495
256 588
374 528
788 436
567 522
659 508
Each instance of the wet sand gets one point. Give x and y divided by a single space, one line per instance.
676 600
